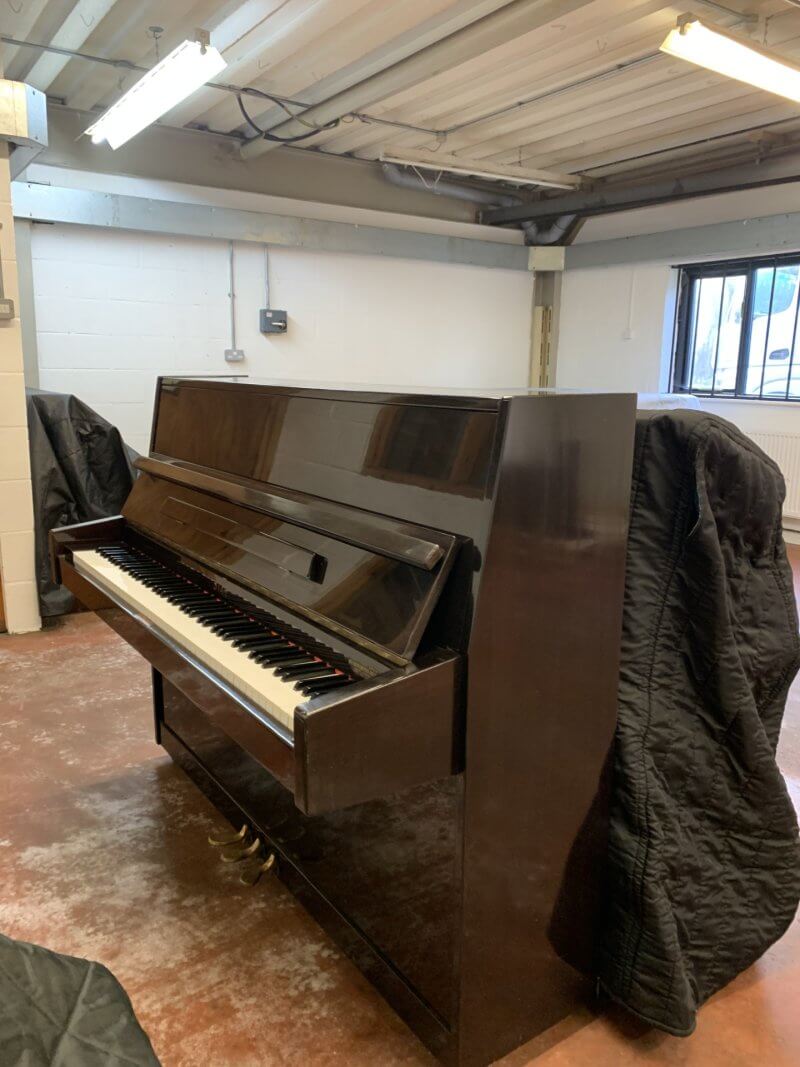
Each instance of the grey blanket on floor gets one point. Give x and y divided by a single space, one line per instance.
58 1011
704 854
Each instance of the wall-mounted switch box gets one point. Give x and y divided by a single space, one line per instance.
234 355
272 321
6 308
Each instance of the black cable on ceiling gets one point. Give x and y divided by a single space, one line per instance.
267 136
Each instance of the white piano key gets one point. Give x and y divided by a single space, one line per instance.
260 685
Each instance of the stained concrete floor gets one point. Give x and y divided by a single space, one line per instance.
103 854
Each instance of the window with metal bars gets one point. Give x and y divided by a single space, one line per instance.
736 330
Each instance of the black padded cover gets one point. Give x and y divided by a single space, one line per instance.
60 1011
704 855
81 470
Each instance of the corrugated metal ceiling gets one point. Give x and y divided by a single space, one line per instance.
587 92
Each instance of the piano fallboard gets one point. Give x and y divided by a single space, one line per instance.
370 595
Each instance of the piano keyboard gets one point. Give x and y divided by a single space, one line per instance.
274 667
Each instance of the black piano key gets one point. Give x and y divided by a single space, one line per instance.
324 685
300 666
219 622
312 679
277 659
277 651
232 633
257 644
259 654
231 618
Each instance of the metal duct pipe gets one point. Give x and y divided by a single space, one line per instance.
557 232
407 179
509 22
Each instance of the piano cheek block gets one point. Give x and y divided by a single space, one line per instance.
396 734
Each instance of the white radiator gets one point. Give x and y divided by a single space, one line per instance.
784 448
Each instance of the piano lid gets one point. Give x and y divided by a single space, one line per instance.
451 396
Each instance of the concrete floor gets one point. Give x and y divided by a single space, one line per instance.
103 854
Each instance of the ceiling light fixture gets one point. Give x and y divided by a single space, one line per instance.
177 76
727 54
478 168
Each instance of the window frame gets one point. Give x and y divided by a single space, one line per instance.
688 275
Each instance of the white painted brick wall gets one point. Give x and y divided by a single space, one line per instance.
115 309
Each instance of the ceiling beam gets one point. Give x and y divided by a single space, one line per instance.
515 19
81 22
717 240
84 207
19 23
775 171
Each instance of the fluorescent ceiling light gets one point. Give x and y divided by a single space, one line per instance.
479 168
727 54
177 76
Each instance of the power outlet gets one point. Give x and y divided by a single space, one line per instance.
272 321
234 355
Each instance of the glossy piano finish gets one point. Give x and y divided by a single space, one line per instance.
389 868
419 458
541 714
450 830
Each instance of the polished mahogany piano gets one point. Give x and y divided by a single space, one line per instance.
384 631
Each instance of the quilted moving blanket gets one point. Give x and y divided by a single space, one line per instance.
704 854
60 1011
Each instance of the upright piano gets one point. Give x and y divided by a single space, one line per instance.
384 631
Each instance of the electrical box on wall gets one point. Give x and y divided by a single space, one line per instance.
272 321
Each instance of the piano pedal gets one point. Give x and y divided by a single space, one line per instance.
245 853
221 842
252 878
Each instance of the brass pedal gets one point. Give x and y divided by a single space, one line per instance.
221 842
254 877
243 854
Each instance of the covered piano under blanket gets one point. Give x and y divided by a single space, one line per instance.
385 633
704 853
